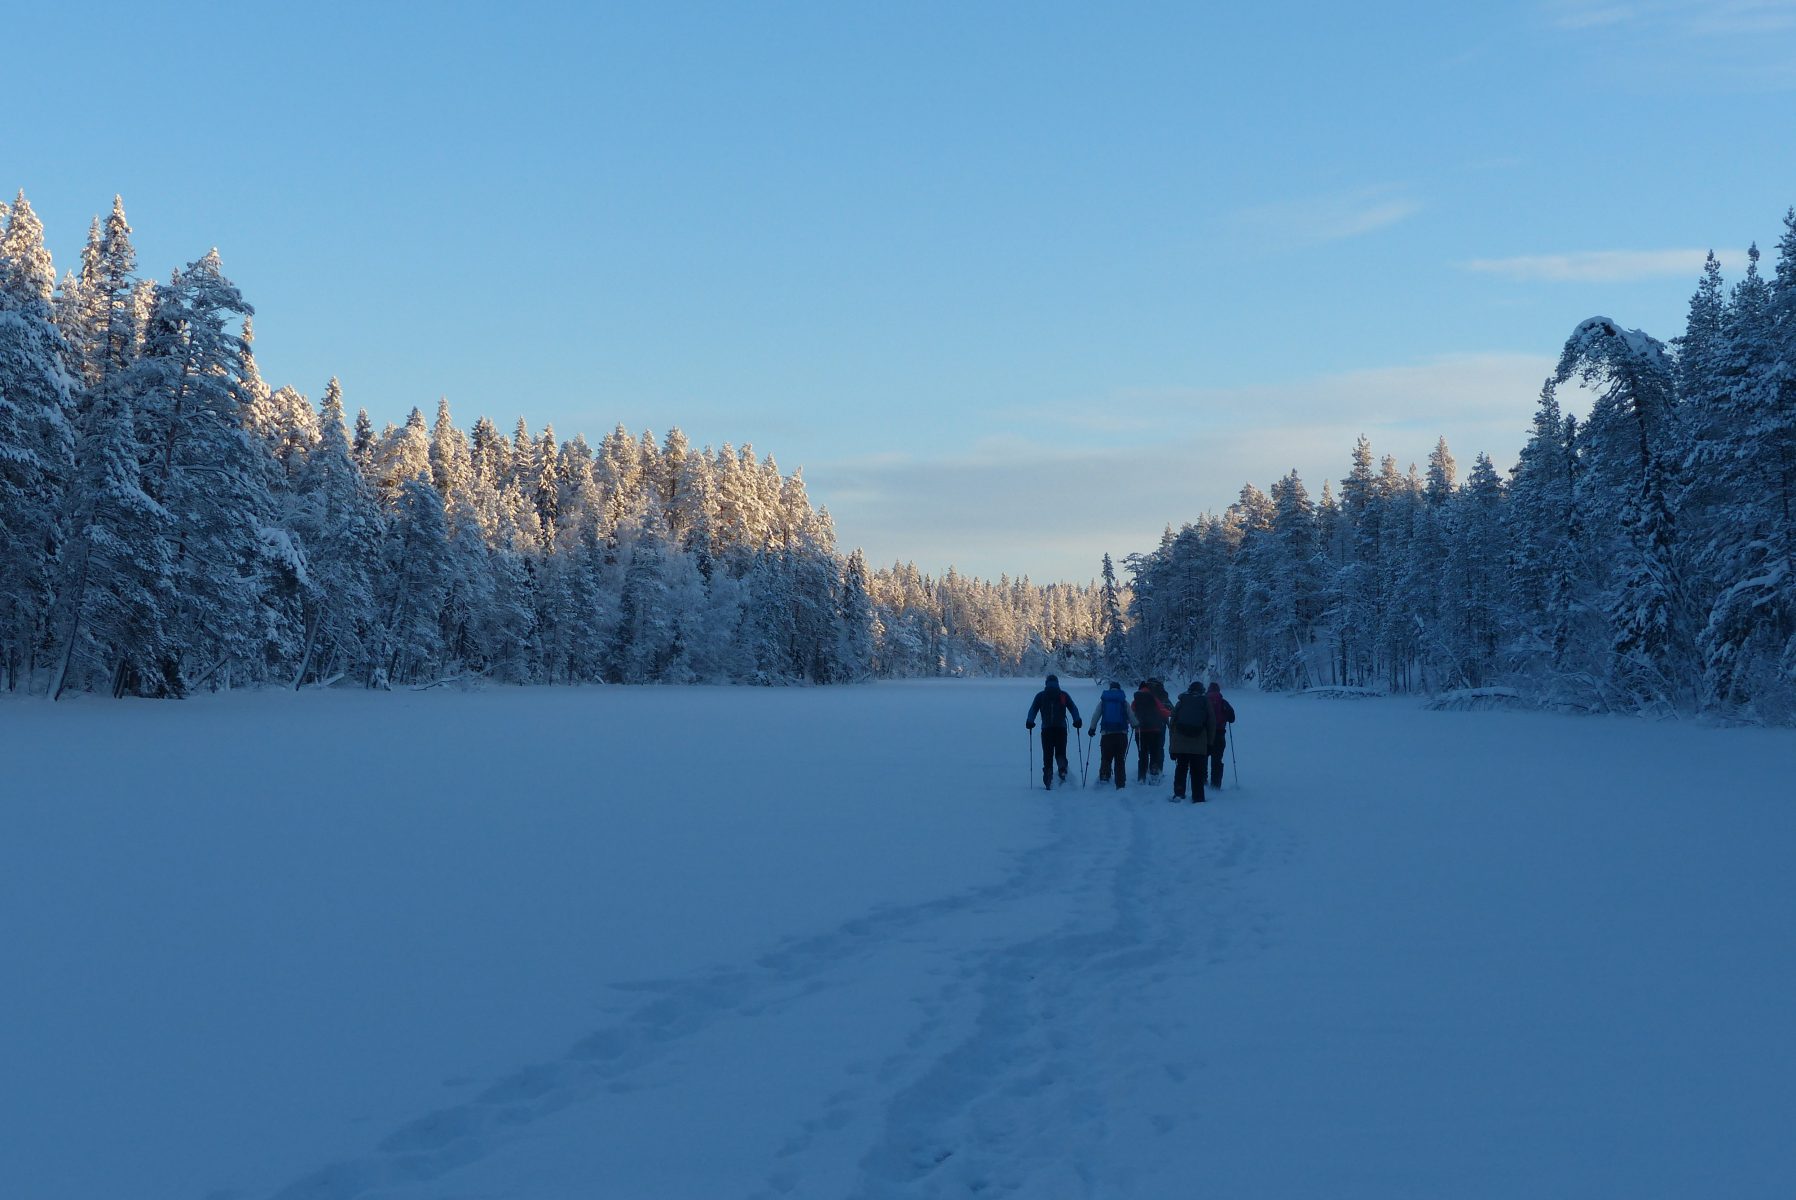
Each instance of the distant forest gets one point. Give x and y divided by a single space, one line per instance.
169 522
1642 560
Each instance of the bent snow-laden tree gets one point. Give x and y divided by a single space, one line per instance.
1625 488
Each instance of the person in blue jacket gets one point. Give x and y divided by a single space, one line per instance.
1054 707
1113 718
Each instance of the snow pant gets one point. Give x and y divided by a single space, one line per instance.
1053 749
1217 746
1150 752
1115 750
1191 765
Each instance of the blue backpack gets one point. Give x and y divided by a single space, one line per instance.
1116 710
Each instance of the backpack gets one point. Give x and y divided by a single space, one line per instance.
1192 715
1116 710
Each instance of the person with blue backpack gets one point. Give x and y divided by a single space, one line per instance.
1054 706
1113 718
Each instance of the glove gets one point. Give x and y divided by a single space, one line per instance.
1094 731
1077 723
1028 724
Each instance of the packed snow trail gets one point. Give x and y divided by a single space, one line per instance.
1470 954
1026 1009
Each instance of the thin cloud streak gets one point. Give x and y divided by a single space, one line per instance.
1052 504
1703 18
1599 266
1331 218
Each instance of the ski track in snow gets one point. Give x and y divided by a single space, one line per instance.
1000 1087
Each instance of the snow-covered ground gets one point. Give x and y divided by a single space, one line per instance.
548 944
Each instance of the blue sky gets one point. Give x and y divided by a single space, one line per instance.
1016 284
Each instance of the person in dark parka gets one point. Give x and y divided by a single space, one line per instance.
1222 715
1054 707
1190 742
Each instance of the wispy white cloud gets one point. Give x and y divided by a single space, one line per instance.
1733 45
1599 266
1052 501
1583 14
1711 18
1332 217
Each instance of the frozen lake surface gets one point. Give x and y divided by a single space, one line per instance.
546 943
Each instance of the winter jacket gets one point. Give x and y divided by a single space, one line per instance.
1113 713
1222 715
1150 714
1054 706
1191 725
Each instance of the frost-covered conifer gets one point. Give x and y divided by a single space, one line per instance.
339 524
36 443
200 463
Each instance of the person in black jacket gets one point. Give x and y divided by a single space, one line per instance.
1054 706
1151 716
1190 742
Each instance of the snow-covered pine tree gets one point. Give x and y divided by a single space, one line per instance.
106 329
116 589
202 466
413 585
338 522
858 629
1477 614
1112 631
1293 590
37 444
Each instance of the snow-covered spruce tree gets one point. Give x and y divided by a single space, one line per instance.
1293 588
859 629
1625 486
36 443
338 524
1360 576
1555 611
199 463
1748 641
28 273
101 325
403 454
1110 621
1478 614
412 586
115 593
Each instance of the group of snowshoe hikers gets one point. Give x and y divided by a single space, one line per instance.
1198 723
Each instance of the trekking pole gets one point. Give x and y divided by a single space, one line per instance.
1029 736
1084 762
1233 765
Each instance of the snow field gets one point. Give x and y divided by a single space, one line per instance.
541 943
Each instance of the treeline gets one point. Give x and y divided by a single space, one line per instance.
169 521
1641 559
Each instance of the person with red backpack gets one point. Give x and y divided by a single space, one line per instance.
1222 715
1113 718
1054 706
1151 715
